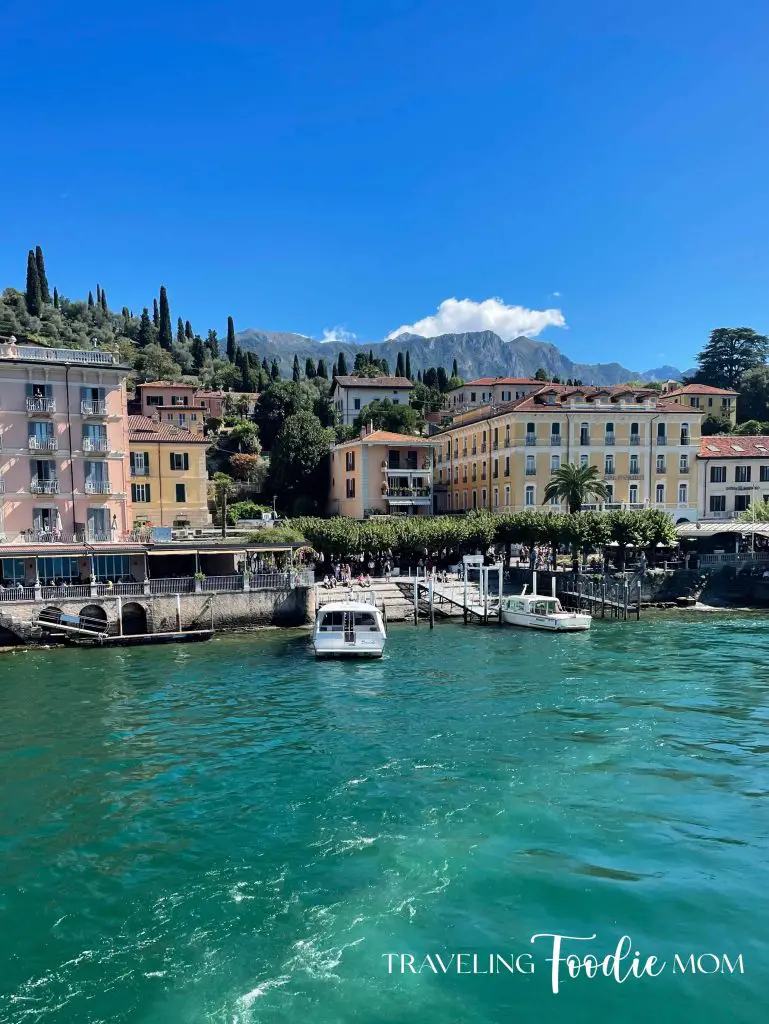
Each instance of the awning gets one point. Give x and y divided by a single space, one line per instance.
691 531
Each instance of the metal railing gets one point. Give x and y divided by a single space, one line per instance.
98 487
38 486
609 439
531 439
95 444
41 404
635 438
140 471
65 590
104 590
43 444
14 593
98 408
584 440
183 585
555 440
222 583
733 558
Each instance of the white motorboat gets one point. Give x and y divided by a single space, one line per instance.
540 612
350 628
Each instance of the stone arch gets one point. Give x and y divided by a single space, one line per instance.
134 619
683 519
49 614
95 615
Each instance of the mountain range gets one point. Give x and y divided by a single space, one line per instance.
478 354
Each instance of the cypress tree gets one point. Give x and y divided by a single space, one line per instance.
155 313
188 331
296 373
275 370
419 376
265 364
165 331
230 339
341 365
90 300
180 335
400 370
55 299
45 294
198 352
385 367
213 343
103 300
408 365
322 369
454 370
98 294
371 355
309 368
33 295
146 333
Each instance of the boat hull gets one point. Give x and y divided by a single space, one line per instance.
550 624
368 647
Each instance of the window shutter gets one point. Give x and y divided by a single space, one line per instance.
132 461
171 459
101 394
186 460
147 461
147 492
29 390
84 396
133 492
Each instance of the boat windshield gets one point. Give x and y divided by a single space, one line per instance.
336 622
545 607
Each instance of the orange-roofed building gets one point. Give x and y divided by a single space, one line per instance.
489 391
719 402
382 472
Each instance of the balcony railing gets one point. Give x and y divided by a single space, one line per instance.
60 355
555 440
98 487
609 439
38 405
685 439
95 444
683 469
408 492
531 471
98 408
464 452
483 446
531 439
635 438
584 440
634 475
475 450
608 472
661 440
38 486
140 471
43 444
495 446
660 467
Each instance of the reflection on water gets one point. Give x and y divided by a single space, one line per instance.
236 833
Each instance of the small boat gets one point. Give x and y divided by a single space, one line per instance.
540 612
350 628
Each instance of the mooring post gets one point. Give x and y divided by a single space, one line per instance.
626 596
416 600
120 614
430 598
501 588
638 606
464 598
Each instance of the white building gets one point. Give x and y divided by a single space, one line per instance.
350 395
733 473
490 391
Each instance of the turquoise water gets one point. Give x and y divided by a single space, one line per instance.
233 833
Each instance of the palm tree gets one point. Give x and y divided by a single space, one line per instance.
575 485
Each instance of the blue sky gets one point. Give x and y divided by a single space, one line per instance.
315 165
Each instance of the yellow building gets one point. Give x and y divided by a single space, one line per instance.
718 402
382 472
168 474
644 445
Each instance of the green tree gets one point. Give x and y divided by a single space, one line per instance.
408 365
299 459
90 300
103 300
341 365
146 331
188 330
454 369
45 294
198 352
212 343
296 373
155 313
715 425
245 437
541 374
34 298
165 332
230 339
309 368
275 370
753 402
322 369
575 485
277 402
181 337
55 299
384 415
730 353
400 369
756 512
155 363
222 491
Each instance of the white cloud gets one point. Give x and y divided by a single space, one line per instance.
338 335
459 315
556 295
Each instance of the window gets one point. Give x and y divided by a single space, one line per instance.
555 463
180 400
531 433
475 470
609 433
718 474
507 436
456 474
496 497
660 463
464 499
170 417
529 498
609 493
555 433
633 463
507 494
472 396
181 493
609 465
718 503
194 417
475 499
763 474
182 419
633 494
635 434
684 433
660 493
349 461
483 498
682 493
356 404
111 567
741 502
583 460
179 460
153 399
742 474
350 485
496 470
584 433
13 570
140 493
683 464
52 569
531 467
507 465
661 436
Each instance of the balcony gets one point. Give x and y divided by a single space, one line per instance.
2 485
531 439
92 357
686 439
555 440
634 475
43 444
608 472
93 408
483 446
584 440
140 471
495 446
98 487
635 438
474 450
41 486
37 404
609 438
95 444
531 471
683 469
661 440
660 467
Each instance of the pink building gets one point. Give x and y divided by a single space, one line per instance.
174 403
64 472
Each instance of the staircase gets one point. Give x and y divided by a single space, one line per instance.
23 629
389 598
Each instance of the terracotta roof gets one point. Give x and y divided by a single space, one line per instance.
348 381
387 437
734 446
700 389
144 428
164 384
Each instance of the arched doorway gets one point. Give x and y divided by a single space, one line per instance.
134 619
94 617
